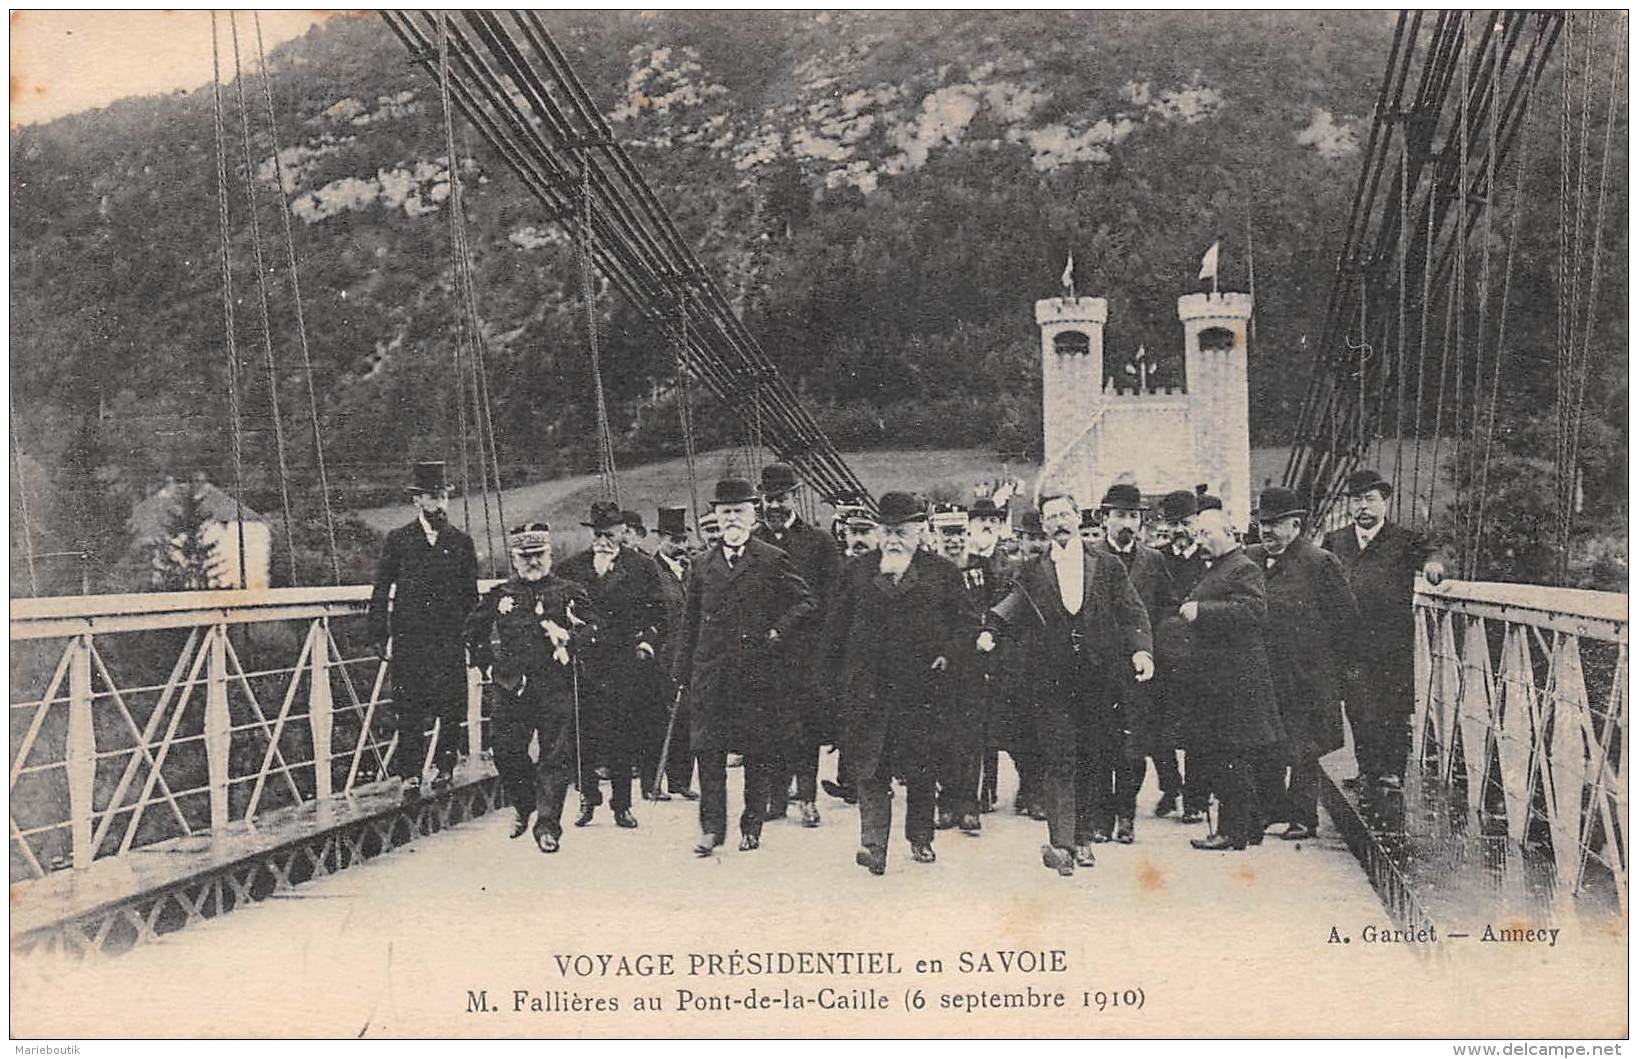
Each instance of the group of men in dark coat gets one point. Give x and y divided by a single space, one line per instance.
919 649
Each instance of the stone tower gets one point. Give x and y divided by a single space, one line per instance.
1214 360
1071 377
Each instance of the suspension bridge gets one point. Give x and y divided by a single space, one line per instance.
177 757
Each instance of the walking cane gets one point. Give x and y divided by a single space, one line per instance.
665 747
579 768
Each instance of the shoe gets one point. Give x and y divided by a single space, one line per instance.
836 790
442 779
520 822
1390 783
1022 808
412 791
546 841
687 794
872 857
986 802
735 760
944 820
602 772
708 842
1084 857
852 796
970 823
749 842
623 818
776 812
1255 840
587 808
1125 834
1061 861
1099 835
1216 842
1296 832
1168 804
922 853
810 815
1191 816
1037 812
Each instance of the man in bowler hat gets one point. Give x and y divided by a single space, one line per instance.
542 621
896 630
1186 563
672 558
814 554
620 690
1312 618
425 586
1382 560
744 602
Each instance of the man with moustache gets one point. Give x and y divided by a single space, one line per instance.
897 627
1080 627
1122 519
671 558
1382 559
813 553
1237 725
1311 621
542 621
987 573
1092 528
1185 564
620 686
961 757
744 602
859 538
425 586
1012 725
949 526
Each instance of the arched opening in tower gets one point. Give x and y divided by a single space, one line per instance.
1216 339
1071 343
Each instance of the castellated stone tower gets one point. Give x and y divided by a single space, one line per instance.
1162 439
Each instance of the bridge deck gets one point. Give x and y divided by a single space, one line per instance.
390 947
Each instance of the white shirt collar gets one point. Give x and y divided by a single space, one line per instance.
1074 550
676 567
1187 553
1366 536
426 529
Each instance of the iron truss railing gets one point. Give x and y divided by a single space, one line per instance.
1521 698
137 719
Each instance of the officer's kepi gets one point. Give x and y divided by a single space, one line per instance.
532 538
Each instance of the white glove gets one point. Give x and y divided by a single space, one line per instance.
555 633
560 655
986 641
1143 664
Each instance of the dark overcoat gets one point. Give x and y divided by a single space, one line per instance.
1383 578
1173 688
980 705
1233 700
1145 703
620 692
1309 635
724 658
876 656
1110 627
818 560
431 588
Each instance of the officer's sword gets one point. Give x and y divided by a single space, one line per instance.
665 747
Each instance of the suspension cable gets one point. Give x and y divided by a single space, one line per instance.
588 299
295 294
22 504
224 233
267 321
685 410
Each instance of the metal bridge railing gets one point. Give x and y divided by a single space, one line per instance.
1521 698
135 719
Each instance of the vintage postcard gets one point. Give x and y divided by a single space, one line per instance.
819 524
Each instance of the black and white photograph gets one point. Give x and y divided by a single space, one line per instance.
819 524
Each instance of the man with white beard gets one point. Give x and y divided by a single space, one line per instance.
744 601
895 630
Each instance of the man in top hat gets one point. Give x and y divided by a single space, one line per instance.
1186 563
621 686
1382 559
1092 529
672 559
744 603
1237 724
1311 621
813 553
1122 518
897 628
1080 628
542 622
429 572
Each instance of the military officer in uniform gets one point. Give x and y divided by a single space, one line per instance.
949 526
744 602
987 573
813 553
984 576
1122 519
897 627
671 558
621 690
429 572
859 537
1311 621
1382 559
542 621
